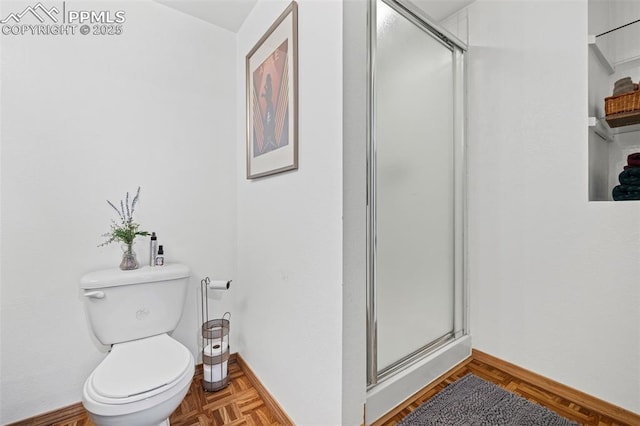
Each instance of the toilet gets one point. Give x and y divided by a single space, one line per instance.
147 373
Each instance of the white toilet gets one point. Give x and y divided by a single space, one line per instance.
147 373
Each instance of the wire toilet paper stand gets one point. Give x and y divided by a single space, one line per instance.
215 343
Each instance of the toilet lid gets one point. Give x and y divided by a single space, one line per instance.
140 366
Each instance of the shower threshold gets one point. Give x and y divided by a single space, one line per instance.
399 385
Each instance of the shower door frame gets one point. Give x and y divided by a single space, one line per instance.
460 314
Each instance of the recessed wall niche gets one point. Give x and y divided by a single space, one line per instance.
614 53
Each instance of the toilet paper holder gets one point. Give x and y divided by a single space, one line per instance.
215 344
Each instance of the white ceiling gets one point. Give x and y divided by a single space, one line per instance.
230 14
441 9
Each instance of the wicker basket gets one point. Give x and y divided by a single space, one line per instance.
623 110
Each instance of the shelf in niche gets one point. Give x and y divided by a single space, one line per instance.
602 129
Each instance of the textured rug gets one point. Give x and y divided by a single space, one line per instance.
472 401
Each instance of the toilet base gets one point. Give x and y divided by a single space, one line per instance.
102 421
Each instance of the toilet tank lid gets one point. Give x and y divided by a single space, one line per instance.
115 277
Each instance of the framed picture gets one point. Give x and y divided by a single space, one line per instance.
272 98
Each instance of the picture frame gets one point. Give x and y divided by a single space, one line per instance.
272 98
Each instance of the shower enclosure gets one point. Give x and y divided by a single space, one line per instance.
416 283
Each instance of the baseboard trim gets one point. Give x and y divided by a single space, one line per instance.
610 410
280 415
60 415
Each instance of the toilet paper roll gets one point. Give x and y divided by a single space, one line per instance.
216 333
219 284
215 373
216 348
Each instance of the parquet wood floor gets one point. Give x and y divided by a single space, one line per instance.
240 403
568 409
236 405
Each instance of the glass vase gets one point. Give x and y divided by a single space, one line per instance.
129 260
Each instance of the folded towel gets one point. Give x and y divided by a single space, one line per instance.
623 80
626 192
630 176
624 85
634 159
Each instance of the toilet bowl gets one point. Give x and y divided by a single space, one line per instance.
139 383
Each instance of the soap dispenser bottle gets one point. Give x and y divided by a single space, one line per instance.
160 256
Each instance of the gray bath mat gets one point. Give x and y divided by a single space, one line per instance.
472 401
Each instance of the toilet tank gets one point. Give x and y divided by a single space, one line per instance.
128 305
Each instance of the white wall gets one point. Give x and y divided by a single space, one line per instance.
553 277
87 118
354 211
289 281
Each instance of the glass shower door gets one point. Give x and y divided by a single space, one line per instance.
414 189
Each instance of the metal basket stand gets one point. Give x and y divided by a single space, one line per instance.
215 346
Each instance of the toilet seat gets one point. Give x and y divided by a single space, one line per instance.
139 369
